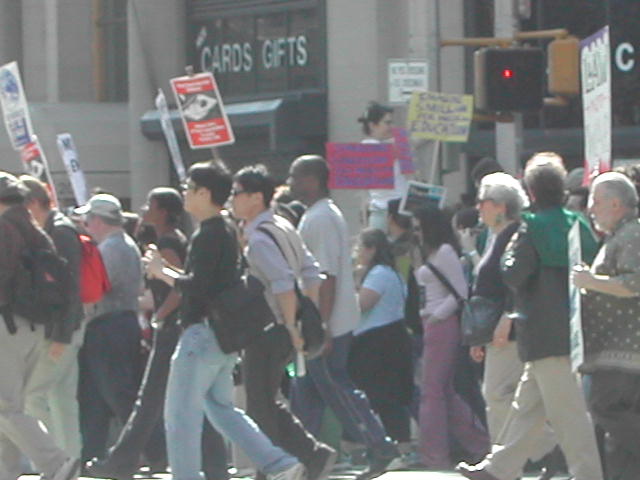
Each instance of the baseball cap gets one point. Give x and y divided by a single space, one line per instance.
102 205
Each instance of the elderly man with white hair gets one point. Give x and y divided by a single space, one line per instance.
611 325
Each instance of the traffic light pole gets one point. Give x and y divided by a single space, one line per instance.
508 135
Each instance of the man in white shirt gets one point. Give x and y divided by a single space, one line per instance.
325 233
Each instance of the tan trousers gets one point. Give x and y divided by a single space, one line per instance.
547 391
19 432
502 372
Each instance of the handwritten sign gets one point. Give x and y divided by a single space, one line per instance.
440 116
361 165
69 155
421 195
595 70
404 153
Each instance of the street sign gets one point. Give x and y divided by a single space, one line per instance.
14 106
595 73
405 76
205 121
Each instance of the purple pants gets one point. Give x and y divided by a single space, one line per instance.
443 413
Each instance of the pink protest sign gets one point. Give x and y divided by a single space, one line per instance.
361 165
404 154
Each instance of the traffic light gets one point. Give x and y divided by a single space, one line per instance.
509 79
564 66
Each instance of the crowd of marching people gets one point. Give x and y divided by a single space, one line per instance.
448 339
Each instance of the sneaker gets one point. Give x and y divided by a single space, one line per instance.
294 472
321 464
104 468
69 470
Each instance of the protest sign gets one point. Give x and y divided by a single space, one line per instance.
34 163
170 135
361 165
14 106
595 72
406 75
440 116
69 155
404 153
420 195
205 121
575 309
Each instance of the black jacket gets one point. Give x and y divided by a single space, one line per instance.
541 297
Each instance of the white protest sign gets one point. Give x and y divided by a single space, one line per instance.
595 73
170 135
406 75
14 106
69 155
420 195
575 309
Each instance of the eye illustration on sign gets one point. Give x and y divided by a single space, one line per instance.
196 107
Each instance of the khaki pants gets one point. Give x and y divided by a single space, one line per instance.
547 391
502 372
52 396
19 432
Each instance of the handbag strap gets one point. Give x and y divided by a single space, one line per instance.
275 240
445 281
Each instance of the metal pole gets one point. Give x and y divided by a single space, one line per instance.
508 135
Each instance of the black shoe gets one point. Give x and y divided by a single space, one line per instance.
379 460
103 469
553 463
321 464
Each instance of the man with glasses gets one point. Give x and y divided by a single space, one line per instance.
110 357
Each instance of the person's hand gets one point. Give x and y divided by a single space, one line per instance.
581 276
153 261
476 354
467 239
56 350
501 333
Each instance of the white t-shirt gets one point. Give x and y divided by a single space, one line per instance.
387 283
380 198
326 235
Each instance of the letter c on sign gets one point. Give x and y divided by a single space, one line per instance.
624 57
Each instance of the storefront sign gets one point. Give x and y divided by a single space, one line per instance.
361 165
406 76
440 116
421 195
69 155
205 121
14 106
595 72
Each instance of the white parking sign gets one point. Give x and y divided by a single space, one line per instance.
405 76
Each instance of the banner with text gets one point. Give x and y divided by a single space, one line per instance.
404 152
14 106
170 135
34 163
205 121
575 308
421 195
69 156
440 116
595 73
361 165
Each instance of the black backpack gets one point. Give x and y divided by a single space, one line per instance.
41 289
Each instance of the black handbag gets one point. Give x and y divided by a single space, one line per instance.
312 328
240 314
478 315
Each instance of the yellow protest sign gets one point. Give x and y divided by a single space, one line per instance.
440 116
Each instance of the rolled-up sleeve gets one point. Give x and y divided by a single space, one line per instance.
265 256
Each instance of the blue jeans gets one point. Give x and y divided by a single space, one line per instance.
200 382
327 383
